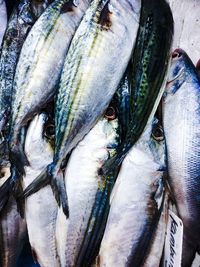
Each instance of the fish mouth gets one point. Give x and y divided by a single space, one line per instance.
177 76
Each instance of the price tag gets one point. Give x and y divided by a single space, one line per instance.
173 242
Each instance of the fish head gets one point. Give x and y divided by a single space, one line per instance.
38 144
180 71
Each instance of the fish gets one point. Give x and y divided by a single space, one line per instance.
82 184
41 59
22 19
136 202
154 257
38 69
13 231
181 126
150 63
84 92
40 208
3 19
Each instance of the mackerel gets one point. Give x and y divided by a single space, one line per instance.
149 67
22 19
136 202
41 208
39 67
83 183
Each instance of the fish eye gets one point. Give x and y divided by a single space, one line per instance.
49 131
110 113
157 133
177 53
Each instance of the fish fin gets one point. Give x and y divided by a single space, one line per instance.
17 191
5 193
41 181
34 255
57 184
111 164
59 191
18 158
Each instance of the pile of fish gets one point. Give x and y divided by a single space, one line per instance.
99 133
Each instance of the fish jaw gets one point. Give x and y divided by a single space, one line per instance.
91 152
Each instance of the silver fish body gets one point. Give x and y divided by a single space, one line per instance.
22 19
41 60
3 19
13 231
82 182
85 91
41 208
157 245
136 203
181 119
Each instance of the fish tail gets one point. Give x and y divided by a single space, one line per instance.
41 181
18 158
3 121
57 184
59 191
5 193
111 164
17 191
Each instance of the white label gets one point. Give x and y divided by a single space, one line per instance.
173 242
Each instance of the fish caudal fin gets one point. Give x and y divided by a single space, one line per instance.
59 191
57 185
5 193
111 164
18 158
41 181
